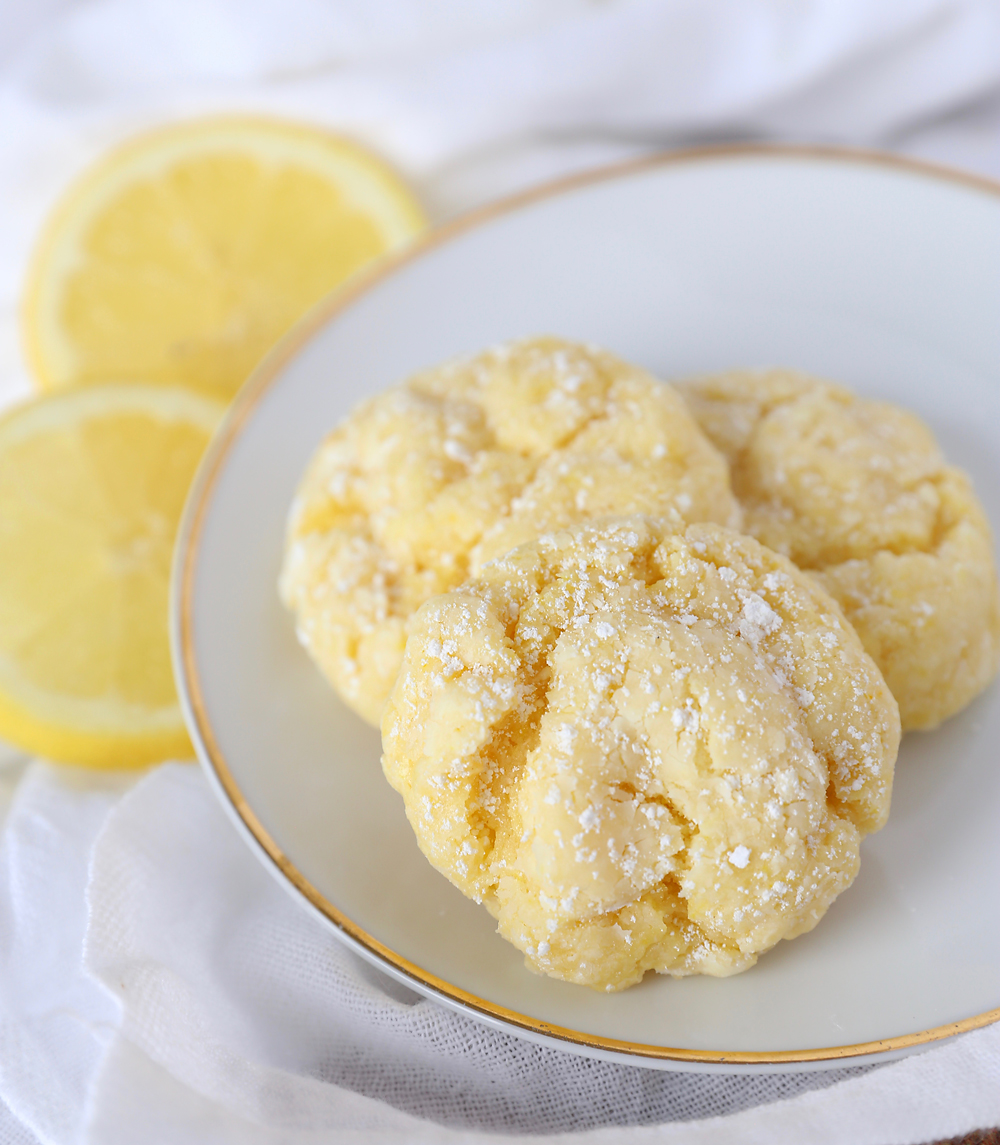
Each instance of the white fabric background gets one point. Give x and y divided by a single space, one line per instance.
156 985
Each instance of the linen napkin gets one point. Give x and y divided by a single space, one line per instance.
155 984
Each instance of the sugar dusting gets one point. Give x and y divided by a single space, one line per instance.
637 748
429 481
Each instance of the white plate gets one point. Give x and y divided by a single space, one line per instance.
881 274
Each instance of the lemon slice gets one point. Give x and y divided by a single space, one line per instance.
92 484
185 255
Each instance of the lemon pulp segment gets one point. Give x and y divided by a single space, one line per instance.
92 486
185 255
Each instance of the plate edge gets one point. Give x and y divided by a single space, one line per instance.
183 575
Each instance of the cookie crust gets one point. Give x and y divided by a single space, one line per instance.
859 493
641 748
425 483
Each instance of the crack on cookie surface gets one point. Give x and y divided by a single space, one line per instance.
423 484
873 510
664 731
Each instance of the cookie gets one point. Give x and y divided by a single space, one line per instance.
425 483
858 492
641 748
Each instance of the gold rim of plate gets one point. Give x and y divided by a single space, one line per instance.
187 555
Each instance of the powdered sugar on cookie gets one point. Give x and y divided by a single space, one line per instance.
858 492
425 483
660 751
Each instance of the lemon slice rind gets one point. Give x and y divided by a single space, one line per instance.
364 182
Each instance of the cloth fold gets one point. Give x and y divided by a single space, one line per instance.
55 1020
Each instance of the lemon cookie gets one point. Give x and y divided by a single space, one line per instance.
422 485
859 493
641 749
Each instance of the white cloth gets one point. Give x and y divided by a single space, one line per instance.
208 1006
471 99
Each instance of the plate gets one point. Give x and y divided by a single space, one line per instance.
879 273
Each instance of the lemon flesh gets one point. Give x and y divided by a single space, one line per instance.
92 486
184 256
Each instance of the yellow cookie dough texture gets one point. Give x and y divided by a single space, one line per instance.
641 749
423 484
859 493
